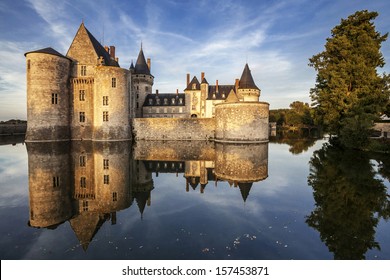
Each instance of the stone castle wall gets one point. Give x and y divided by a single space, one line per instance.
48 115
117 108
173 129
241 122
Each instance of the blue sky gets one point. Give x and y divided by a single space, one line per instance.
276 38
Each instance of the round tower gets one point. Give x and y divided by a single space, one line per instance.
142 82
48 109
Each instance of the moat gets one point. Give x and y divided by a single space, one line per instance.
192 200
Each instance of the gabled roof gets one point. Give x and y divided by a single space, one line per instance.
246 81
193 81
100 50
48 51
141 67
232 97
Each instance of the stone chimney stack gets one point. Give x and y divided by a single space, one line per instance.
201 76
149 62
156 91
112 52
177 91
236 84
188 79
216 86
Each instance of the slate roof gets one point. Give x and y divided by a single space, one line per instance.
100 50
48 51
193 81
246 81
141 67
172 99
222 94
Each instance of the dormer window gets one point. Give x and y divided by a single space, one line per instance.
180 101
165 101
193 86
173 101
150 101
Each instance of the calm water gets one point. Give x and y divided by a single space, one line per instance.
192 200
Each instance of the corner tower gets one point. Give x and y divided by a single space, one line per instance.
247 89
48 74
142 82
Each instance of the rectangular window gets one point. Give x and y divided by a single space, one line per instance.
113 82
105 100
83 71
56 182
180 101
82 161
82 95
105 163
180 110
150 101
114 196
82 116
137 105
54 98
83 182
106 179
173 101
85 206
105 116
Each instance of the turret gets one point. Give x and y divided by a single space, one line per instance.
48 74
142 81
247 89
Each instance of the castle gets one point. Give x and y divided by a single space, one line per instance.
86 95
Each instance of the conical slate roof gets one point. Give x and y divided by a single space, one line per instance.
48 51
141 67
246 81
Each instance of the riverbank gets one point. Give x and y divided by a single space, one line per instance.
13 127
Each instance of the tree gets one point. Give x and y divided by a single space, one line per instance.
349 93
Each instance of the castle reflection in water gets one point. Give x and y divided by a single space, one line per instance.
87 183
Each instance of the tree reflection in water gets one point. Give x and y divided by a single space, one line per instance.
350 201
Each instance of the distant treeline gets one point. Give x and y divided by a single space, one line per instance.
13 127
299 115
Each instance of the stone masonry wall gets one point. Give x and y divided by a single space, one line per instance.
173 129
241 122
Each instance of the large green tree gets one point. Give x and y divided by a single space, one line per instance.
349 92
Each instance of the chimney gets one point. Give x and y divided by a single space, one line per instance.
112 52
149 62
201 76
216 86
156 91
188 79
177 91
236 84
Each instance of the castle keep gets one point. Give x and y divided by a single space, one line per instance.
86 95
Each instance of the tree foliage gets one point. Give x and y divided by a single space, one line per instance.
349 93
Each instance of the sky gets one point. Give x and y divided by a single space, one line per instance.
275 38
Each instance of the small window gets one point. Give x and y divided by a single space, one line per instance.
82 95
150 101
158 101
180 101
114 196
82 161
54 98
113 82
173 101
105 100
28 64
83 71
85 206
82 116
83 182
165 101
193 86
105 116
137 105
105 163
146 89
137 95
56 182
106 179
